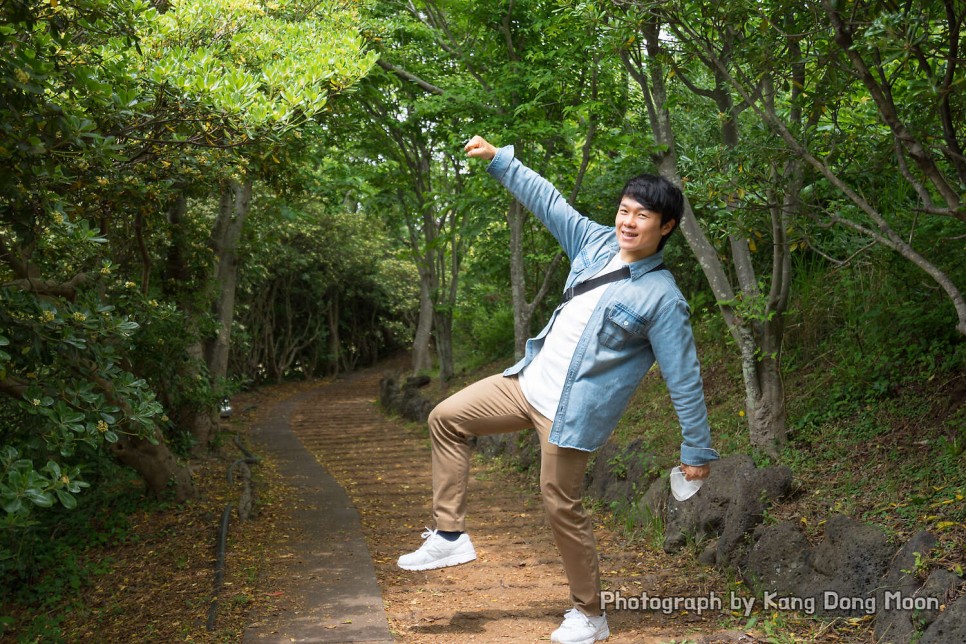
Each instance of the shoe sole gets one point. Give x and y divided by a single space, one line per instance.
452 560
599 637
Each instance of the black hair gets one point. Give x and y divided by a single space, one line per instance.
656 193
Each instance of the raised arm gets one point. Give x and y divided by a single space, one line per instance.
539 196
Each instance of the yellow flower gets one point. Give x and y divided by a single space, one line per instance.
106 270
153 302
101 426
58 218
65 479
21 75
129 285
78 316
742 413
36 402
47 316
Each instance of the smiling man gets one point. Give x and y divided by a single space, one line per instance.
621 312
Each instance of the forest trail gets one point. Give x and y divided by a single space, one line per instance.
516 590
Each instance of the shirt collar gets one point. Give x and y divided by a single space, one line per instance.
647 264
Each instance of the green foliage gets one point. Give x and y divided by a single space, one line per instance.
255 66
111 110
44 566
322 293
483 327
63 361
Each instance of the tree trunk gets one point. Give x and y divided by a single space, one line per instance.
156 465
335 342
236 200
198 422
764 395
522 312
443 332
422 358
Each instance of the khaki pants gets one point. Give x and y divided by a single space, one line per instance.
497 405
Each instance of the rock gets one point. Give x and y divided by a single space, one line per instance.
521 448
838 577
896 626
781 561
950 626
941 585
405 400
417 382
756 489
729 505
620 475
850 561
655 499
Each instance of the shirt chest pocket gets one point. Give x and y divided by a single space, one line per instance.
621 327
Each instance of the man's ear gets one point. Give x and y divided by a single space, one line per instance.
667 227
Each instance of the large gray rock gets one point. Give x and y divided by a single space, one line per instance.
895 626
729 505
781 560
949 627
402 396
838 577
850 561
521 448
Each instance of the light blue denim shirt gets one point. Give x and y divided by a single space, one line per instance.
636 322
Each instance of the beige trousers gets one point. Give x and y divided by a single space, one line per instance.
497 405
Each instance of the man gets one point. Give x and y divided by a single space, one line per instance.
576 377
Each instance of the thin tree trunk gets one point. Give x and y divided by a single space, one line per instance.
335 342
515 217
236 200
198 422
422 357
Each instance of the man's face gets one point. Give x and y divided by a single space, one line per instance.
638 230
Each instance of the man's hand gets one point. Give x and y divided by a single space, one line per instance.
480 148
692 472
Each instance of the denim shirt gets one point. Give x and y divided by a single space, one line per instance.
636 322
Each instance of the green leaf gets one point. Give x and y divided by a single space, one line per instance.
66 499
13 506
39 498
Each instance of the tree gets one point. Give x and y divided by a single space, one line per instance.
64 90
320 293
495 67
903 63
116 116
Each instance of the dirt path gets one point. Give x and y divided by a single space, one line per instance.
516 590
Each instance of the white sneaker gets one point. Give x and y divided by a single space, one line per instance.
577 628
437 552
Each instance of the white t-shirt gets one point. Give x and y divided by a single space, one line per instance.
542 380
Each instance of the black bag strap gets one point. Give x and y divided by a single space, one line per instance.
620 274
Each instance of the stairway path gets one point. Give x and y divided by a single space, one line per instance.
364 486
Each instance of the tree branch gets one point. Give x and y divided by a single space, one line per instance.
66 289
407 76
